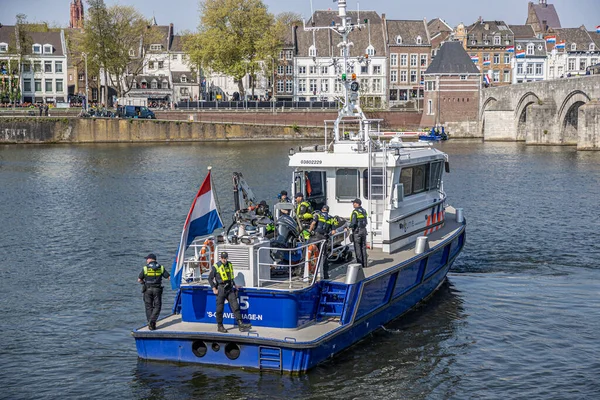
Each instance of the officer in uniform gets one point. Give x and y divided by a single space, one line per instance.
221 280
151 277
304 212
358 224
322 228
262 210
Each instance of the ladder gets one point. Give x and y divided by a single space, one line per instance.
377 192
333 298
269 358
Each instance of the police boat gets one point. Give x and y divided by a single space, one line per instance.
300 319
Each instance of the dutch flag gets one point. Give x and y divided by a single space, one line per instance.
520 54
486 62
550 39
486 79
560 45
475 59
598 29
510 49
202 220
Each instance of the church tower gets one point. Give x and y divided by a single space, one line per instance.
76 19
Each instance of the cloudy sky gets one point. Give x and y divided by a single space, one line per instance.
184 13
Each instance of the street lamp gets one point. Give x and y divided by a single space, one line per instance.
86 82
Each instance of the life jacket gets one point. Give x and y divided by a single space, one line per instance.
153 274
361 218
308 214
225 271
324 224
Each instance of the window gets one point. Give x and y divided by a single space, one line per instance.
165 85
281 54
377 85
520 68
47 66
183 79
184 91
26 67
413 60
573 47
496 76
463 77
58 66
364 85
325 85
27 85
3 47
582 64
429 107
403 60
592 47
338 87
154 85
81 77
302 70
393 60
371 51
161 64
37 49
59 85
406 176
150 64
394 76
496 58
530 49
346 184
486 56
413 76
506 58
419 40
594 61
497 40
38 85
289 54
302 85
403 76
47 49
376 69
134 85
312 86
48 83
312 69
156 47
398 39
506 76
571 64
423 60
324 70
538 69
280 85
174 57
529 69
312 51
131 53
420 178
551 72
435 175
289 85
364 69
280 70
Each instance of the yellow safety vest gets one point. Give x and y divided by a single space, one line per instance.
153 273
225 271
306 215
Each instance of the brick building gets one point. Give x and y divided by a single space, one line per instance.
409 50
439 32
452 86
542 17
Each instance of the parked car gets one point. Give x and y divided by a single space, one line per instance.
135 112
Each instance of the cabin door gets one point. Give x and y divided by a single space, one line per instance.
312 184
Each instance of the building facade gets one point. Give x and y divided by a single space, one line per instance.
409 50
76 15
572 51
542 17
530 61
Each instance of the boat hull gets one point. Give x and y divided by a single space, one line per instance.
369 305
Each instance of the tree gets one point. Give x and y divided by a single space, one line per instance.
231 38
110 34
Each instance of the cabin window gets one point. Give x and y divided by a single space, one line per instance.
420 178
346 184
419 175
435 176
406 180
377 189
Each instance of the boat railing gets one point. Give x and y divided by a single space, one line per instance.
304 271
338 241
201 261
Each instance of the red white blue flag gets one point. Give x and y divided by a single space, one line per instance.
560 45
520 54
202 220
598 29
550 39
510 49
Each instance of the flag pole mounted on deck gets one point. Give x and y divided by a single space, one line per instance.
202 219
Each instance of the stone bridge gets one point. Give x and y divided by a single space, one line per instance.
556 112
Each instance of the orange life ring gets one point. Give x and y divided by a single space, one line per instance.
207 255
312 256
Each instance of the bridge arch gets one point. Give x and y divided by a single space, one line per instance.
524 102
568 114
486 104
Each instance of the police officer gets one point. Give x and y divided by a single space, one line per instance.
358 223
304 211
322 228
151 277
223 286
283 197
262 210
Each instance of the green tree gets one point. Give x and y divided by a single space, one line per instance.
231 38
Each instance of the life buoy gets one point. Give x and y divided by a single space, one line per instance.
207 255
312 256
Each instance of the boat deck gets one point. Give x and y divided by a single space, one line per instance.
378 261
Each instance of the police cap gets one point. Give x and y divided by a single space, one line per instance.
357 201
283 193
299 194
151 256
224 255
325 208
262 203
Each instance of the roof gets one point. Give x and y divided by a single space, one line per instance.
408 30
437 25
326 42
177 43
580 36
176 76
539 46
7 35
522 31
452 59
162 36
481 31
596 38
547 12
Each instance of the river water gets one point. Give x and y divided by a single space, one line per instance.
518 318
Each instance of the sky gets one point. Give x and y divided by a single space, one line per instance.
185 16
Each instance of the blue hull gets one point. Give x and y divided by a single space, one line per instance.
368 305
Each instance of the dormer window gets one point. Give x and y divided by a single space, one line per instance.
3 47
573 47
371 51
134 85
486 42
473 42
312 51
47 49
592 47
131 53
519 47
36 49
154 84
398 39
419 40
165 84
540 48
183 79
530 49
497 40
155 47
144 84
